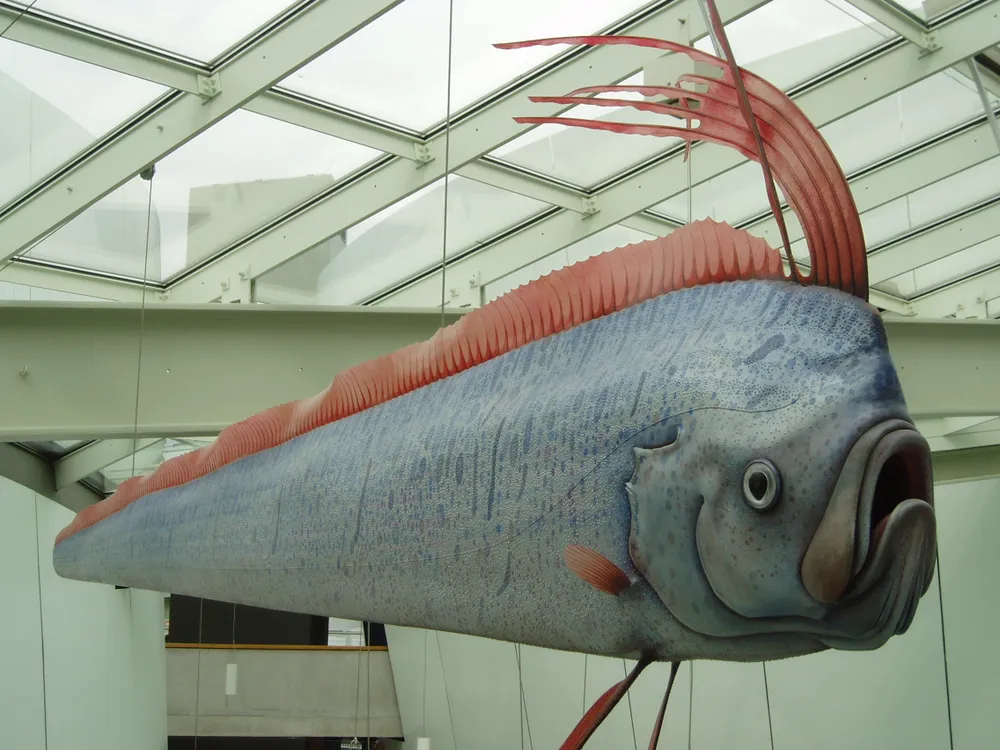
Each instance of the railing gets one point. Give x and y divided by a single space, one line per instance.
280 691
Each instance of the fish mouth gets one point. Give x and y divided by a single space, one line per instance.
873 556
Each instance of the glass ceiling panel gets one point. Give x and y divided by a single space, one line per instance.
930 204
786 41
958 265
586 157
865 137
148 459
606 239
210 192
917 113
396 68
50 111
193 28
110 236
791 41
397 242
236 176
10 291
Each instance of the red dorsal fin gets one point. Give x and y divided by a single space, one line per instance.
798 156
699 253
596 569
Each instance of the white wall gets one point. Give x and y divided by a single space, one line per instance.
104 685
891 698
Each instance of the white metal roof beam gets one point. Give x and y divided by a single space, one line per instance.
965 299
470 138
35 28
191 384
66 394
35 473
181 116
895 69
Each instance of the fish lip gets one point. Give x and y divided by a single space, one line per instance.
840 543
898 472
894 544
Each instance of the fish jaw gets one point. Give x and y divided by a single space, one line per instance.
887 466
874 554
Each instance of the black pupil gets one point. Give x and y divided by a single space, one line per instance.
758 484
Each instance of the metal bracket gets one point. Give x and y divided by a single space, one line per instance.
928 44
974 307
467 296
209 87
241 291
422 153
589 207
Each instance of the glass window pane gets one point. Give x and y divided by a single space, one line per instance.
932 203
110 236
731 197
207 194
236 176
786 41
586 157
398 242
915 114
193 28
790 41
24 293
396 68
50 111
958 265
606 239
928 10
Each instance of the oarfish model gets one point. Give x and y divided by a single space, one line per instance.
669 451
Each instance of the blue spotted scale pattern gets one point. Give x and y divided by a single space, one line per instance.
450 507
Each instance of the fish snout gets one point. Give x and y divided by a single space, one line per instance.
886 479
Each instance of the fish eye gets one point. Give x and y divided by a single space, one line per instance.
761 485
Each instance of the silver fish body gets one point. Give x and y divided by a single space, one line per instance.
632 436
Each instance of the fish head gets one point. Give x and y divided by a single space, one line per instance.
798 499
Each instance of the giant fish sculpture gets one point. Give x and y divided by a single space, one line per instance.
673 450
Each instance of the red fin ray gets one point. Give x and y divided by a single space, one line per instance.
596 569
828 214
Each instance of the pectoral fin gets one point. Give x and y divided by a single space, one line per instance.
596 569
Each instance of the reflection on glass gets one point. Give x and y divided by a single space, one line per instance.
231 179
928 10
50 111
606 239
24 293
932 203
236 176
956 266
397 243
791 41
396 68
192 28
110 236
586 157
732 197
146 460
785 41
915 114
